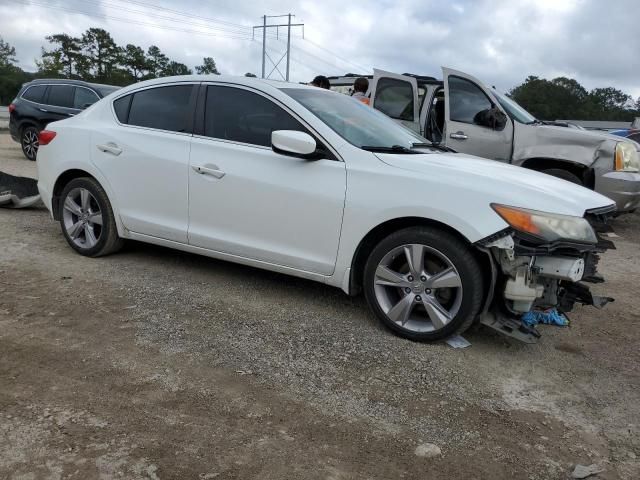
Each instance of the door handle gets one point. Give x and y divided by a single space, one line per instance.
111 148
213 170
43 110
459 136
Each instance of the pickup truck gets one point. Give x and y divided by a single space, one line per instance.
461 113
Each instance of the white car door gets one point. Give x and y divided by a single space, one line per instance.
465 100
247 200
397 97
144 154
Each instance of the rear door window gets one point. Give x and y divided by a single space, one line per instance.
163 108
35 93
61 96
84 97
243 116
394 98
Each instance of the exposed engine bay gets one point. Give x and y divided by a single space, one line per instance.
532 275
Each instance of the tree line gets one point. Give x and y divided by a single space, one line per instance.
564 98
94 56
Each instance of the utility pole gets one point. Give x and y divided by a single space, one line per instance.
287 54
264 41
288 45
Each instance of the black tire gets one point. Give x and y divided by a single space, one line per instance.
108 240
564 174
461 257
29 142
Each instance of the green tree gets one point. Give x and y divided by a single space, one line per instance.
208 67
63 56
7 54
11 76
176 68
100 54
157 62
134 61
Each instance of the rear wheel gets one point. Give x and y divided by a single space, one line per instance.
87 219
29 142
423 284
564 174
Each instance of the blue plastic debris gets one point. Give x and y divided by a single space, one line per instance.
547 317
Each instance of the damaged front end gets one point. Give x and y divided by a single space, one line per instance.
533 274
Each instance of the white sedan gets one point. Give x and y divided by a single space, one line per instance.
312 183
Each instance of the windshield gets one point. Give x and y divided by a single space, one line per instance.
514 110
354 121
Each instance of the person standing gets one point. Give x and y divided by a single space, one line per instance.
360 87
321 82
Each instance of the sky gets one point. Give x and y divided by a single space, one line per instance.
500 42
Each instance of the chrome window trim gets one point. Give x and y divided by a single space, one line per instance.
54 84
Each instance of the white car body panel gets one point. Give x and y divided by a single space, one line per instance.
305 218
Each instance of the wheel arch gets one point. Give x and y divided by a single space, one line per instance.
63 179
584 172
74 170
379 232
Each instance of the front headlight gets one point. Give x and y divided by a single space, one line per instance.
547 226
627 157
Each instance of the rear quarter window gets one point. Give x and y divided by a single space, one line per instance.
34 93
121 107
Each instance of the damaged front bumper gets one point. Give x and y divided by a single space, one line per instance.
528 274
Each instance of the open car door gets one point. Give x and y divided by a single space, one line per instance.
475 122
396 96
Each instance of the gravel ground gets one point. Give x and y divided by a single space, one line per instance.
153 363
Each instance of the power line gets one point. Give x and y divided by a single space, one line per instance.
349 62
136 22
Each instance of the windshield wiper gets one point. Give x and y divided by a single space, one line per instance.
435 146
392 149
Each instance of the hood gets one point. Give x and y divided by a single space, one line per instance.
578 135
500 182
570 144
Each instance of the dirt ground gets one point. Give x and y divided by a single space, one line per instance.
156 364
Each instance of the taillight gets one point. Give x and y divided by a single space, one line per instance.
12 107
45 137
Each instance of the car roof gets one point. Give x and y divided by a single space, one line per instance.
231 79
349 78
68 81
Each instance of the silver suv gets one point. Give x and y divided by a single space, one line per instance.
465 115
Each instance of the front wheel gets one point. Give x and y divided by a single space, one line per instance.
87 219
423 284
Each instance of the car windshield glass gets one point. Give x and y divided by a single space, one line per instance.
514 110
356 122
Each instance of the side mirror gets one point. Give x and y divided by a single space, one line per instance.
493 118
293 143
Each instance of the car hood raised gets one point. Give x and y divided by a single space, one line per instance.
502 183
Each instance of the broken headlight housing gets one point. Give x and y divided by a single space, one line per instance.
626 158
547 226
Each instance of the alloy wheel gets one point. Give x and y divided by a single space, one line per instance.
30 143
418 288
82 218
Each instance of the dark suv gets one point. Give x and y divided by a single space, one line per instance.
43 101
